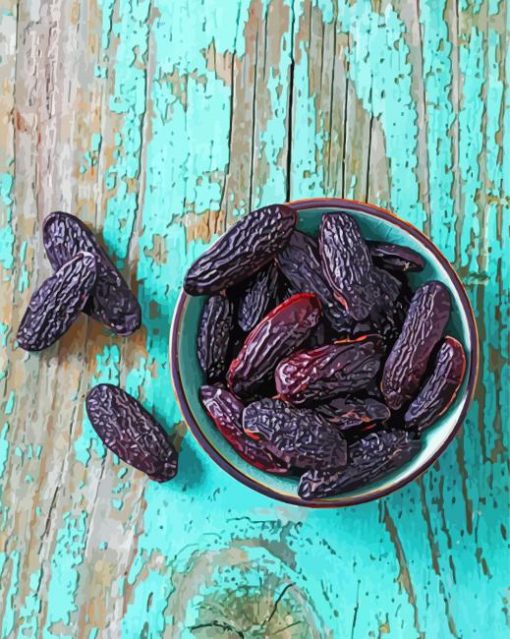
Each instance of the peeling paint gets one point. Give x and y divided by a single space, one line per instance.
382 35
470 144
28 625
64 576
437 69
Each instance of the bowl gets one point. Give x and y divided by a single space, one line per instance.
376 224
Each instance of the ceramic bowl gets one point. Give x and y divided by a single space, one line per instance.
376 224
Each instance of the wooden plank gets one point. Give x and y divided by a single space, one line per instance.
160 123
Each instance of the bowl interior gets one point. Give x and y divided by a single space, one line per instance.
188 376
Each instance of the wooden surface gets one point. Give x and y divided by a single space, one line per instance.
159 122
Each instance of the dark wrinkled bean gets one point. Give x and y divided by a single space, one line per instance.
226 412
299 436
242 250
423 328
300 264
280 333
57 303
347 264
440 389
396 257
129 431
256 297
113 303
389 288
214 336
328 371
354 413
388 313
318 337
370 458
237 338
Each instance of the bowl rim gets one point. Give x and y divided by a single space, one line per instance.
340 502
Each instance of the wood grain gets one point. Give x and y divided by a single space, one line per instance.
159 123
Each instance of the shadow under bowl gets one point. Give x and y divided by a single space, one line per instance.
376 224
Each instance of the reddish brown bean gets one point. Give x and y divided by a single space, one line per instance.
300 263
280 333
440 389
226 412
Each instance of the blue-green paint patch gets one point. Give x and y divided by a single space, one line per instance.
117 504
307 176
437 71
274 138
151 595
107 7
9 405
327 9
128 100
64 575
472 6
101 72
28 624
123 486
494 7
470 144
387 96
4 331
6 221
4 448
494 88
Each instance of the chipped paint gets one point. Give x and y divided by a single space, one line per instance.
382 35
437 69
66 559
470 145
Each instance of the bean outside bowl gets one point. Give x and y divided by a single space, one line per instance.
376 224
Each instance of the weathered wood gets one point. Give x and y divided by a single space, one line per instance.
159 123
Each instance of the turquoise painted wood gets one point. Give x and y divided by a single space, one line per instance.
159 123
